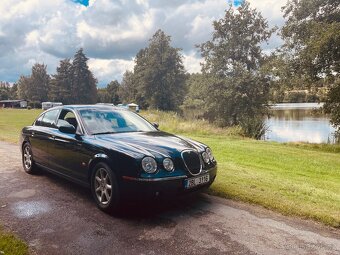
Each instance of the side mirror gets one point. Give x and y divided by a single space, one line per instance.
155 124
65 127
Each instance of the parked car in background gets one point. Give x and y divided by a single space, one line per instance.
131 106
115 152
48 105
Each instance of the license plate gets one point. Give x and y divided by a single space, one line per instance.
195 181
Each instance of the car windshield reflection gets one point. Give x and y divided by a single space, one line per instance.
103 121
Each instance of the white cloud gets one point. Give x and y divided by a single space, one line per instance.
192 62
111 31
108 70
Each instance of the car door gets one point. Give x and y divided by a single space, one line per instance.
41 137
70 158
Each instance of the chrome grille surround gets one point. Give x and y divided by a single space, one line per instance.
188 165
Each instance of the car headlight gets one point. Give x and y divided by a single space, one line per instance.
149 165
209 152
205 157
168 164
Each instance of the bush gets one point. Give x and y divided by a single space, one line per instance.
34 104
254 127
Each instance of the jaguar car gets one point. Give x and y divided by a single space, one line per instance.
116 153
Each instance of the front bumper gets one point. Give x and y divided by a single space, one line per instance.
167 187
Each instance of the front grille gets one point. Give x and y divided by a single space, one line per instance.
192 161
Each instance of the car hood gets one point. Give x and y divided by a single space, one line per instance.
155 143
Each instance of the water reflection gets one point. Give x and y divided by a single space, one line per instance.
298 123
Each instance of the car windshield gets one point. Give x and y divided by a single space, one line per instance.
106 121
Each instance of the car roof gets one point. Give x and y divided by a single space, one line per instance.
90 106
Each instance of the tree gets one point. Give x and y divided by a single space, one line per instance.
311 35
332 105
113 92
103 96
60 84
84 85
234 88
4 90
23 87
13 93
34 88
128 90
159 74
38 85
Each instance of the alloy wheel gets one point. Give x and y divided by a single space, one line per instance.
27 158
103 186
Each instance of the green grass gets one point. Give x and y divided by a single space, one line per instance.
297 179
11 245
294 179
13 120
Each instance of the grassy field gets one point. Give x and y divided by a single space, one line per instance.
295 179
9 244
13 120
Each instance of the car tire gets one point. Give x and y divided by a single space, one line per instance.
27 159
104 187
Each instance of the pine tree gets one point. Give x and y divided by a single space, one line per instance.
60 84
112 89
128 90
84 85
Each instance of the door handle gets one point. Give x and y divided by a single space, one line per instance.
52 137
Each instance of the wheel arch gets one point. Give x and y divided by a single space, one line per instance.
98 158
23 144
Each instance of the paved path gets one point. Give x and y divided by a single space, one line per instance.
57 217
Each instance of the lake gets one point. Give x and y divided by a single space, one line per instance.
295 122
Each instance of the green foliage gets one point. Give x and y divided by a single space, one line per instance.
236 42
233 87
173 122
4 90
113 91
10 244
128 91
103 96
34 87
84 84
332 105
311 35
110 94
23 87
253 127
60 84
73 83
159 75
312 38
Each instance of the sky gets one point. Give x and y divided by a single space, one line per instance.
110 31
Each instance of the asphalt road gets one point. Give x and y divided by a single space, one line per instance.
57 217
